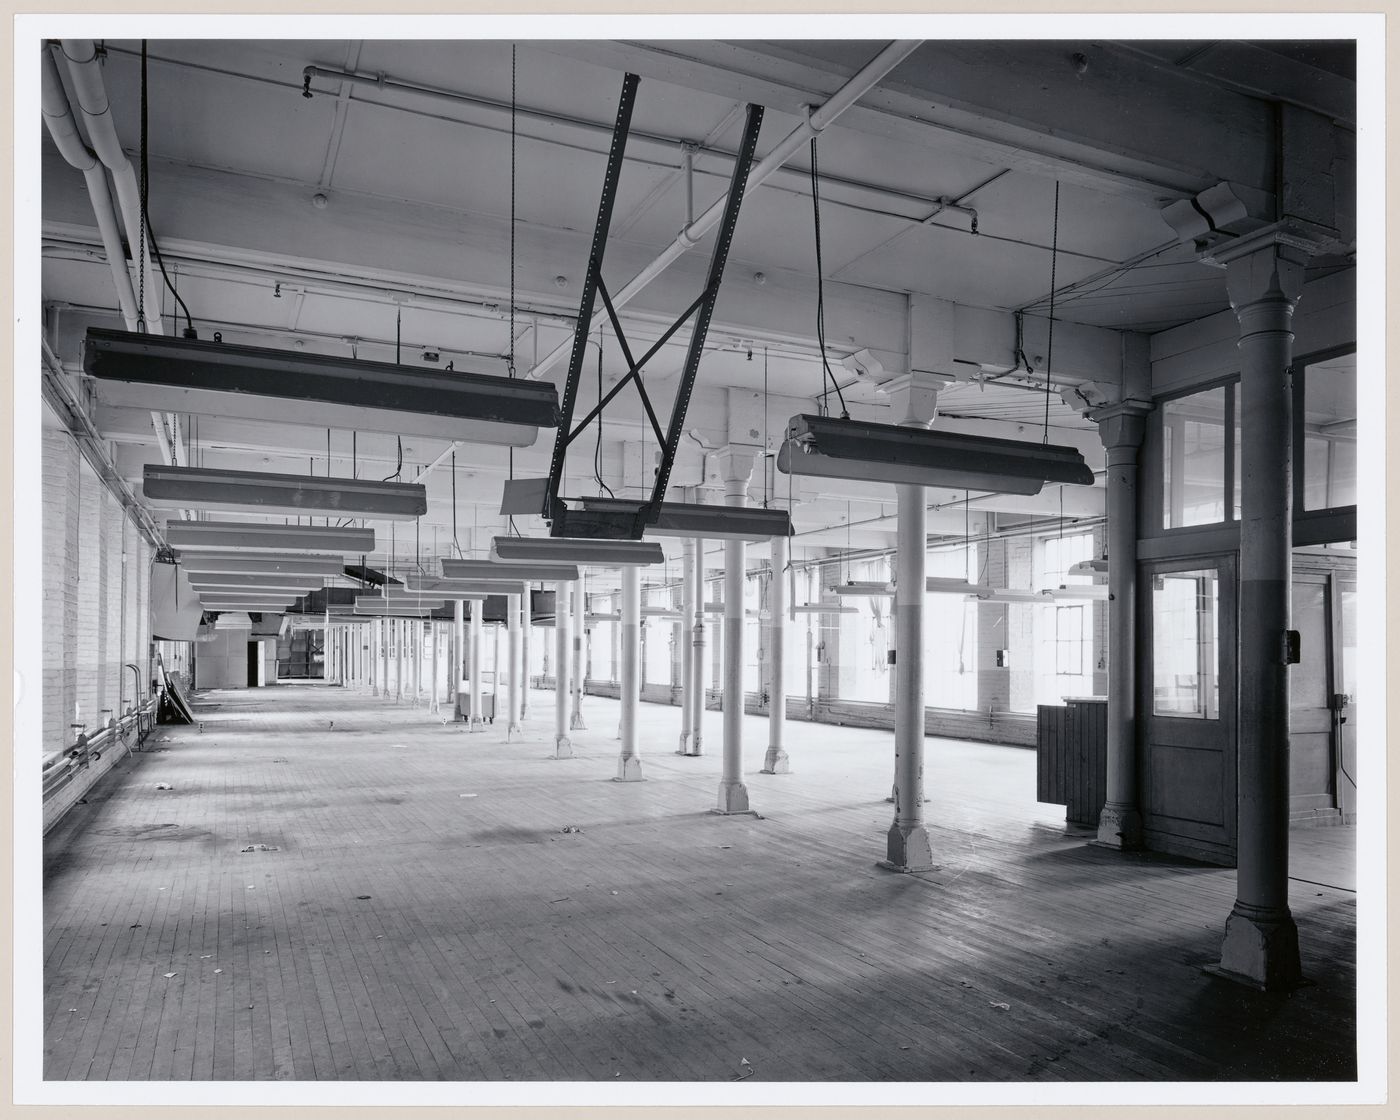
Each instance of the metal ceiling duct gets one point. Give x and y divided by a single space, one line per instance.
255 537
256 491
825 447
221 379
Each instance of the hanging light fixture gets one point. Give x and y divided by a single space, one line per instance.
575 551
262 580
240 536
259 492
252 383
1089 568
950 585
825 447
469 589
1084 592
280 563
696 519
863 587
496 570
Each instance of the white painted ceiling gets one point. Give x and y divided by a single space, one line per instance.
414 240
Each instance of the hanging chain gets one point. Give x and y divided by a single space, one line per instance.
510 368
1050 345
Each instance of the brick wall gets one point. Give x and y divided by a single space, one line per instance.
59 585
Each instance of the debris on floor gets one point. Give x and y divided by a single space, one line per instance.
169 975
260 848
363 897
1002 1006
466 795
574 828
217 971
164 785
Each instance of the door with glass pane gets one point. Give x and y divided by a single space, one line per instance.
1312 769
1187 706
1344 697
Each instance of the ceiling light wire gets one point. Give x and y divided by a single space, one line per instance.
147 234
1050 345
510 360
821 309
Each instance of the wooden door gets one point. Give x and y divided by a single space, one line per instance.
1344 670
1186 705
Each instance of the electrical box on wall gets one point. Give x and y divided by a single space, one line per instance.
1003 659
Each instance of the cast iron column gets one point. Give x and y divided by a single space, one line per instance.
513 651
526 629
629 764
1261 939
459 658
776 760
580 627
563 746
697 655
474 668
737 464
1120 429
687 653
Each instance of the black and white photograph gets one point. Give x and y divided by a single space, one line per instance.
785 560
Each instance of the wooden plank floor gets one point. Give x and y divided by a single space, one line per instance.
424 916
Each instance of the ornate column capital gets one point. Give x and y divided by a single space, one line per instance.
1121 423
914 396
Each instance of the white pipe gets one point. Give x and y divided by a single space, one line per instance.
526 628
58 116
91 94
860 83
697 655
733 794
433 699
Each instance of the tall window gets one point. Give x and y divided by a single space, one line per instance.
1198 437
950 633
659 639
1329 433
865 638
1064 630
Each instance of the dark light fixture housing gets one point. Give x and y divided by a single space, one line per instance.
221 379
257 491
575 551
490 569
242 536
695 519
277 563
826 447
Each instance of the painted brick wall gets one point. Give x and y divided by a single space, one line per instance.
87 644
59 585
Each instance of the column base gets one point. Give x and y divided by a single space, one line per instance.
685 738
576 723
1260 950
563 747
629 770
1120 826
512 728
907 849
776 762
475 723
733 798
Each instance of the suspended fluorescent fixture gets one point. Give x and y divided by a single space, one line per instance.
857 587
695 519
950 585
273 604
615 616
464 588
259 492
252 383
822 608
277 563
1088 568
240 536
491 569
1006 595
825 447
1088 591
365 604
661 612
261 593
403 595
575 551
255 579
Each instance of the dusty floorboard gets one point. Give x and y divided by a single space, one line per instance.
424 916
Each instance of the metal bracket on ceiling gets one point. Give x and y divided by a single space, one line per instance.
630 522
